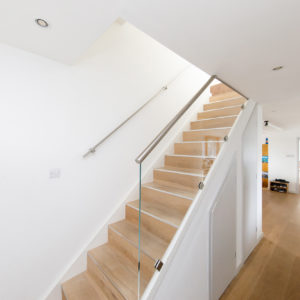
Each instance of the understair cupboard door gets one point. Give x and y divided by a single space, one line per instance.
223 235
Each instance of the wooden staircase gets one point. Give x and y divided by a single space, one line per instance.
112 268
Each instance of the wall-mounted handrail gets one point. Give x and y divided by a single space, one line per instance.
167 128
164 88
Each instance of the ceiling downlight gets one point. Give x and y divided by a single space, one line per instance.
277 68
42 23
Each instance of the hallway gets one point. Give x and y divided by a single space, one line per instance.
272 271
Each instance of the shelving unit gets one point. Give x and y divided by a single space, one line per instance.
278 186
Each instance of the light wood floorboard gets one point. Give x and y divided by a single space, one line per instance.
272 271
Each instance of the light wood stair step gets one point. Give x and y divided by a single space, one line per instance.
171 215
198 148
226 121
224 103
180 191
102 280
130 249
157 197
178 177
219 89
151 244
151 223
220 112
223 96
120 270
203 134
188 162
82 287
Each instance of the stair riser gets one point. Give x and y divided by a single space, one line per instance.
223 96
155 226
231 111
151 195
177 179
102 281
216 134
205 149
219 89
221 104
213 123
188 162
131 251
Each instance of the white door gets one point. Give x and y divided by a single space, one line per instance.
223 236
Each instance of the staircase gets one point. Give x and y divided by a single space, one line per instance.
112 268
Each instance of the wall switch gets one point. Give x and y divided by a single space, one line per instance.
54 173
290 155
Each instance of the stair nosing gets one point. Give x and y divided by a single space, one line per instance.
228 99
179 172
169 193
204 129
221 108
104 273
153 216
198 142
220 117
131 242
194 156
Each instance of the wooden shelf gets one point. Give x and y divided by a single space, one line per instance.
278 186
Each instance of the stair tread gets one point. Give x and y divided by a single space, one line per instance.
194 172
212 129
81 287
206 149
185 192
221 108
169 214
198 142
119 269
219 88
222 96
204 134
215 118
219 122
192 156
224 103
220 112
151 244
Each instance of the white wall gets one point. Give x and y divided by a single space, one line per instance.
283 157
50 114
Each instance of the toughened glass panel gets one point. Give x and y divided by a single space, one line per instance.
164 201
140 229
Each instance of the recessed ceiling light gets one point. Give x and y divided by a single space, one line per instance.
277 68
42 23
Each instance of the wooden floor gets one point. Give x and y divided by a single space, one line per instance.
272 271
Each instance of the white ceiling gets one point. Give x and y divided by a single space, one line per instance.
241 41
73 25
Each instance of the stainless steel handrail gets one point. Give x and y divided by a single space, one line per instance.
93 149
167 128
